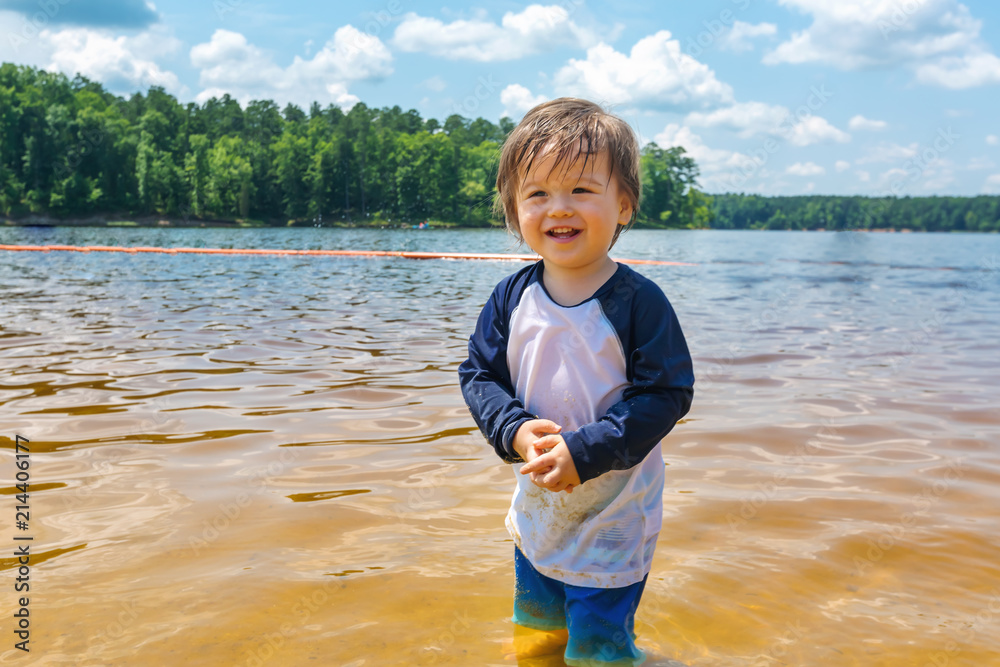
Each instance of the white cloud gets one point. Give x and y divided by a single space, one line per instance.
656 74
536 29
805 169
858 34
896 175
738 37
859 122
518 100
992 140
958 72
889 152
435 83
746 118
229 64
918 176
992 185
20 44
842 165
122 64
937 177
721 169
863 176
750 118
938 39
815 130
978 163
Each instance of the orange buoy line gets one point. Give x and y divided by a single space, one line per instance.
337 253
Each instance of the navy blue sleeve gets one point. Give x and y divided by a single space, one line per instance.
658 366
485 376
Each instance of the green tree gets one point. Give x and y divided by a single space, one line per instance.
197 171
668 175
157 177
477 178
230 182
291 165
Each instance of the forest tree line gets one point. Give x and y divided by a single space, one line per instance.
835 212
70 149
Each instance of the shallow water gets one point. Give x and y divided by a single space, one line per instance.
267 460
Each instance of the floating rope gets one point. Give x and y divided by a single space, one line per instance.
336 253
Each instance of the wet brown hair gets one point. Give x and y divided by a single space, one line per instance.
567 128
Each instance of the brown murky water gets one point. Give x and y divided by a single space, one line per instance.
267 461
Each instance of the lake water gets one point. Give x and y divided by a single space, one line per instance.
253 460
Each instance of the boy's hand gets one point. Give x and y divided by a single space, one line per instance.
552 469
529 433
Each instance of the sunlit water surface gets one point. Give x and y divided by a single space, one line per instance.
247 460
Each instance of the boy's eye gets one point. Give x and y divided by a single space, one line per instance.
579 190
537 193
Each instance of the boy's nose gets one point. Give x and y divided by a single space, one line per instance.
560 208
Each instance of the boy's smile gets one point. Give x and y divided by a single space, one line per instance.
563 233
568 214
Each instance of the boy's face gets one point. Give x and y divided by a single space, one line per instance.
568 214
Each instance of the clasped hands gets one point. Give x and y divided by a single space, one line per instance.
548 461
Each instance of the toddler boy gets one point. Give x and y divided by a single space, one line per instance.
576 370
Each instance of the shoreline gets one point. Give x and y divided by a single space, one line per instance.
156 222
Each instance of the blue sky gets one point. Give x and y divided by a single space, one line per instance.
867 97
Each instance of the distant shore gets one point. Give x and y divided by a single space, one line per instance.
170 222
192 223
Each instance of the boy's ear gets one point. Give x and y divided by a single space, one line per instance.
624 211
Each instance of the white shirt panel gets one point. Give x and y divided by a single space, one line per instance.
567 365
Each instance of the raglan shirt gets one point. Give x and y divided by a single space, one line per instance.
615 372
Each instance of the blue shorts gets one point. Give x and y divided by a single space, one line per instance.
601 621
